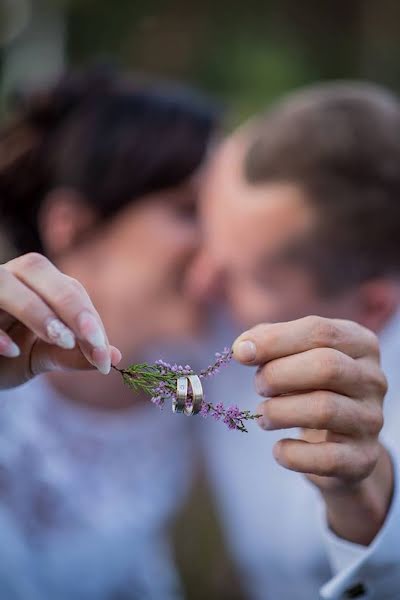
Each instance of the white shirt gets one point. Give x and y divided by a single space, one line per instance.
85 497
274 519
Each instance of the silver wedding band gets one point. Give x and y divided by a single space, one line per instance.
178 404
197 396
190 406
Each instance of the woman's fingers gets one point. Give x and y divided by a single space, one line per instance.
116 356
45 359
269 341
321 410
8 347
27 307
100 357
70 302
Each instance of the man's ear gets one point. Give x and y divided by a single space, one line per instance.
62 219
379 300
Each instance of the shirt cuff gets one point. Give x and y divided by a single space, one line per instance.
368 572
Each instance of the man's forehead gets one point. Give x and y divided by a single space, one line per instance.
282 203
255 217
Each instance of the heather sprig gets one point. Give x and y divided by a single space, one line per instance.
221 359
158 380
233 417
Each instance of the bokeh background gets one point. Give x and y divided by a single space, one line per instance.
244 53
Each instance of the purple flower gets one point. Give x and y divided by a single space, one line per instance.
233 417
205 409
179 370
157 400
218 411
159 381
221 359
160 393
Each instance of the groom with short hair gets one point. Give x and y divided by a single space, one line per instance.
301 216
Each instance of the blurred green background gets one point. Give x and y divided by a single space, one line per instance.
246 53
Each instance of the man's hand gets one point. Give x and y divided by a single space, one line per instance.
323 376
47 322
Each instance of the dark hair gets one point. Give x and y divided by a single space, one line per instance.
112 139
340 143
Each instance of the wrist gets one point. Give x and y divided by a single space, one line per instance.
357 511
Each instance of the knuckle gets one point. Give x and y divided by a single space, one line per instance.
67 296
381 384
367 460
373 343
374 420
333 463
32 260
75 284
331 366
324 332
326 410
28 310
372 378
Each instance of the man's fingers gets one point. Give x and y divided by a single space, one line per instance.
266 342
321 410
320 369
329 459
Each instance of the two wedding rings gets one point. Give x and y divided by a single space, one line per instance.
189 395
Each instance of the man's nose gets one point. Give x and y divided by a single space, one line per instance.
204 280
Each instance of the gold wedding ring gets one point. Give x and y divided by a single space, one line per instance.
189 406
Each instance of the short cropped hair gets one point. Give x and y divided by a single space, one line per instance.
340 143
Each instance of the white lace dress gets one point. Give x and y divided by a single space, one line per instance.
85 497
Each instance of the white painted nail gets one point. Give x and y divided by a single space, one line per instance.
102 360
91 330
60 334
9 349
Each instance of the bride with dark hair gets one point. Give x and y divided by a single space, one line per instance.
98 185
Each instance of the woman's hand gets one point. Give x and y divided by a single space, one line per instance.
47 322
324 376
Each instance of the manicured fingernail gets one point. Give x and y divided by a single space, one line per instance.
244 351
91 330
60 334
116 356
101 359
8 348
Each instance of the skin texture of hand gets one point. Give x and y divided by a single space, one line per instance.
324 377
47 323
